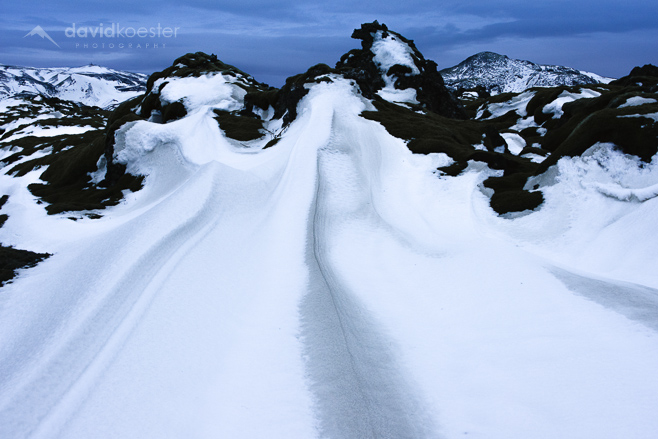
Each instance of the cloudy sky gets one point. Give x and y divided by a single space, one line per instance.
278 38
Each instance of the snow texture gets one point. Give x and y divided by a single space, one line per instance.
390 51
331 286
517 103
555 107
652 116
637 101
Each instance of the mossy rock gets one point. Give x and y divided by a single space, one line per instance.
504 122
508 182
492 138
410 125
431 92
238 127
509 163
150 103
191 65
534 150
69 166
272 142
531 135
96 122
643 78
58 145
115 170
80 196
27 146
541 98
173 111
399 70
194 64
124 109
11 260
501 97
454 169
67 185
431 133
503 202
294 91
587 123
262 99
72 115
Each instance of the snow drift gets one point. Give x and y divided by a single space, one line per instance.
321 280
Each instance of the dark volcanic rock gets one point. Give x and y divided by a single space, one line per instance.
359 64
294 90
646 70
362 65
645 77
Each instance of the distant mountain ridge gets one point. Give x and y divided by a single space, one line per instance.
501 74
89 85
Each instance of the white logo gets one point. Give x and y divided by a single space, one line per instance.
42 33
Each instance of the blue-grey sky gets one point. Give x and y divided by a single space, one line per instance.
278 38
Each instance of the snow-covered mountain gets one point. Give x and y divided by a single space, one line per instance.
356 254
501 74
88 85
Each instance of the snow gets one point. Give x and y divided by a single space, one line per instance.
555 107
91 68
605 203
331 286
525 122
517 103
598 78
7 103
95 91
15 123
390 51
500 74
637 101
391 94
48 131
515 143
536 158
210 89
653 116
626 194
89 85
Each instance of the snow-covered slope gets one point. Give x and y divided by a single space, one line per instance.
312 277
89 85
501 74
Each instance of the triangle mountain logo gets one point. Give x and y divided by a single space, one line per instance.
38 30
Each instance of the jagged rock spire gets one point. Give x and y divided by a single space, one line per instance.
388 57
